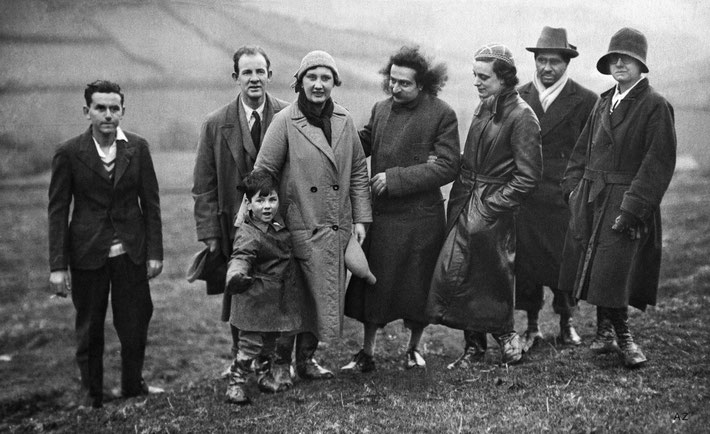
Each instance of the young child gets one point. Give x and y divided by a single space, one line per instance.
265 300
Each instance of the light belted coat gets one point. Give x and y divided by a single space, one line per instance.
473 285
225 155
622 161
323 190
544 215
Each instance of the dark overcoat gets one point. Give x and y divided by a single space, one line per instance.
272 303
543 218
127 207
473 285
622 161
323 190
225 155
408 224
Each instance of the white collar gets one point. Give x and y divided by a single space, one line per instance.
120 135
248 110
619 96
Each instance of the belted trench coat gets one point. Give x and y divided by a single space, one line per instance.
323 190
473 285
622 161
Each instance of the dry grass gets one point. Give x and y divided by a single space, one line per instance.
556 388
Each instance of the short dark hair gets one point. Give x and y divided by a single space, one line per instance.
431 78
249 50
259 182
506 73
101 86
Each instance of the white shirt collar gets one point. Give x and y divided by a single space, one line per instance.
619 96
120 135
248 111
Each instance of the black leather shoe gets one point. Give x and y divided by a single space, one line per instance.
361 362
471 355
531 338
311 370
569 336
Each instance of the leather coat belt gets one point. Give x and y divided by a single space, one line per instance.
601 178
471 176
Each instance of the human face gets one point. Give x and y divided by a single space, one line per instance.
105 113
318 82
550 67
625 69
264 208
403 84
253 77
486 81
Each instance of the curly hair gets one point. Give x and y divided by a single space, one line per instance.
506 72
431 78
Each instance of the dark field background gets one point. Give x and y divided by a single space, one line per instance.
173 59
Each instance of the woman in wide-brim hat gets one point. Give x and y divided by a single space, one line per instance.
616 177
473 285
314 149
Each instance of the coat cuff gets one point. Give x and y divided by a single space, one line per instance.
394 181
636 206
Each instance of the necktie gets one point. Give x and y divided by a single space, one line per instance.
256 130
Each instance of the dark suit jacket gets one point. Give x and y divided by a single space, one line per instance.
129 206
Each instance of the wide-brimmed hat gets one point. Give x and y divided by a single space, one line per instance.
314 59
552 39
210 267
626 41
494 51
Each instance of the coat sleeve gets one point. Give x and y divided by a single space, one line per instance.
60 197
525 144
244 253
656 170
274 148
402 181
578 160
359 181
149 196
204 186
366 134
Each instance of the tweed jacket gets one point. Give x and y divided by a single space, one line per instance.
128 206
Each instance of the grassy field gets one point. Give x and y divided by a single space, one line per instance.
555 389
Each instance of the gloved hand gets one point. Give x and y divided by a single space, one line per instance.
239 283
629 224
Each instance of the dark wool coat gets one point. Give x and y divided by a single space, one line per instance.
543 218
323 190
272 303
128 206
473 283
623 161
225 155
408 225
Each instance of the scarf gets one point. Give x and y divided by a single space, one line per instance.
549 94
317 116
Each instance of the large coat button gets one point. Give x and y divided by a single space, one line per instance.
335 227
314 189
336 187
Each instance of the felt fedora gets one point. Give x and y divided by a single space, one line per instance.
210 267
626 41
552 39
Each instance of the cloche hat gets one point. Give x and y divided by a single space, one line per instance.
314 59
626 41
552 39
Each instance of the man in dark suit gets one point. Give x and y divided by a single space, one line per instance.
562 107
113 243
229 141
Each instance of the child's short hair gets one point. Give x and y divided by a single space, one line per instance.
259 182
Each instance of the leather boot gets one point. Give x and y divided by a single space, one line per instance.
306 365
568 335
605 340
474 351
267 373
236 390
630 352
511 347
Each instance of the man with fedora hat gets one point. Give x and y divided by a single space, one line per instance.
229 142
616 177
562 107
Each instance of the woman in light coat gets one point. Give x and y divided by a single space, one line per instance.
313 147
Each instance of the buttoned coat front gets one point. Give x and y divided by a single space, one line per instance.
323 190
622 161
225 155
127 206
409 223
473 284
543 218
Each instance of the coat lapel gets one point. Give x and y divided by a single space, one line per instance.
230 134
246 132
124 153
530 94
90 157
314 134
560 108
